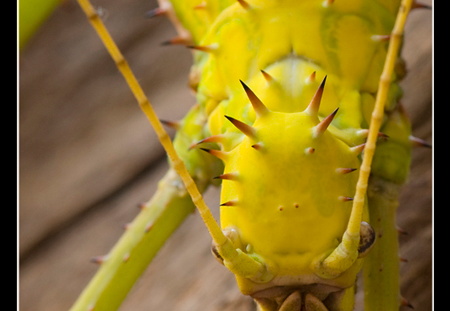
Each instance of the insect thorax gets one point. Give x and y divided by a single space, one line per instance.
287 186
289 199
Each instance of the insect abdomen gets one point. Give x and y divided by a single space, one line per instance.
281 193
290 197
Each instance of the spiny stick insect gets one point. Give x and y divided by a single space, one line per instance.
279 126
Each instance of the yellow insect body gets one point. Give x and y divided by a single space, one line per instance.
283 199
291 147
283 216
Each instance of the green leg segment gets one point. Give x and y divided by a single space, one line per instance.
148 232
137 247
381 266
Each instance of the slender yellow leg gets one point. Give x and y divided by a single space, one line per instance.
103 292
347 251
145 105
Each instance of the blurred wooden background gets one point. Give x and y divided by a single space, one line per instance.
88 158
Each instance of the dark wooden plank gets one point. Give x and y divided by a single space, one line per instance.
88 157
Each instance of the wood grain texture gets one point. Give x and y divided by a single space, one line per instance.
88 158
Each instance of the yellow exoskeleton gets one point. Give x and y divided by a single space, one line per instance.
298 116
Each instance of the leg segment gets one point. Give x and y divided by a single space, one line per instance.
381 267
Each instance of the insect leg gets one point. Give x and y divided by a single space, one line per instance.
382 266
145 105
347 251
152 227
124 264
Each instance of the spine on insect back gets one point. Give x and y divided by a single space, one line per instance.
282 50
